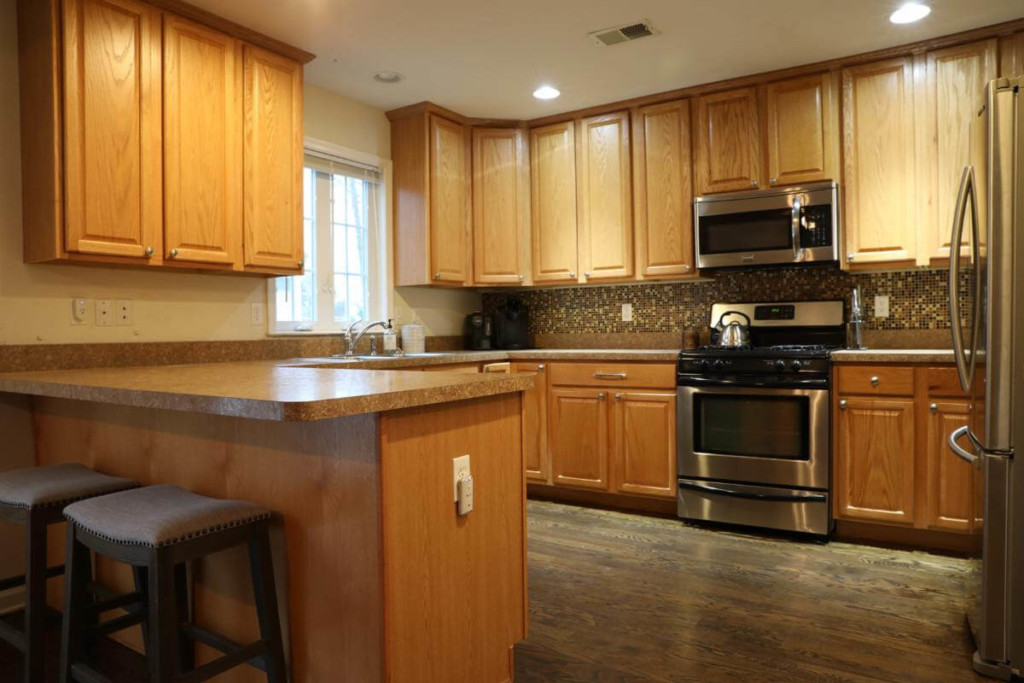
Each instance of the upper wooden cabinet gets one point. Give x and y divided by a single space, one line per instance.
272 154
663 190
605 190
879 172
500 206
431 155
553 202
142 145
112 96
952 93
728 141
202 134
802 135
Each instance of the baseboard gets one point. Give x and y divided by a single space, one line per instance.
661 507
907 537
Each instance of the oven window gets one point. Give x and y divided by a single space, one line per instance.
758 426
746 232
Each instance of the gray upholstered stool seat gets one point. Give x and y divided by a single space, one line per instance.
158 516
55 485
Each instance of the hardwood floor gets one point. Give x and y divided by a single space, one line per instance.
619 597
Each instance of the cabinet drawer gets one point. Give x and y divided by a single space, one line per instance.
943 382
876 380
652 376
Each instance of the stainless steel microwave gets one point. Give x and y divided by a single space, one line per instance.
777 226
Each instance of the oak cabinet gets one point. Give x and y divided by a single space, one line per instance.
951 485
202 134
553 203
578 437
112 101
644 442
879 171
1011 55
663 190
449 197
728 141
500 206
605 196
802 136
536 457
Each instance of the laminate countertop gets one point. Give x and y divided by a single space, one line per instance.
265 390
898 356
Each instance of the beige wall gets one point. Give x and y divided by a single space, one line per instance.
35 300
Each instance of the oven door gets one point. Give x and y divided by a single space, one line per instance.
755 435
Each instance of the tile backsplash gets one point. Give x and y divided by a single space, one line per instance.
917 299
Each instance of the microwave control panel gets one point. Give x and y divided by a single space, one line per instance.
816 226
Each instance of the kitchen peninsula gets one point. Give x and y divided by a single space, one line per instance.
382 578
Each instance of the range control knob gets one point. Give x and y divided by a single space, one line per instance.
702 364
796 365
718 364
780 365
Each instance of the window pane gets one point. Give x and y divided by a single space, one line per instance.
296 295
356 251
341 298
356 297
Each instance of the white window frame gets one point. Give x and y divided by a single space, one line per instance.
379 276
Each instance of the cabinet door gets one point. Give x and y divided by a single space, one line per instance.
202 144
605 192
500 201
955 78
272 158
875 460
535 423
950 479
1011 55
803 130
644 443
663 190
578 437
878 153
728 141
112 92
449 202
553 202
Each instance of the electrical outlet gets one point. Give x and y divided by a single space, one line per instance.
125 317
627 313
465 500
882 306
256 316
104 313
460 471
79 311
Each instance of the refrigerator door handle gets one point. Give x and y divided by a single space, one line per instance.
970 458
966 192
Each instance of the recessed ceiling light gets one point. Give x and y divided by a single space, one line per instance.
388 77
910 12
546 92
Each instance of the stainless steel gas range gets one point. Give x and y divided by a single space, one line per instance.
754 424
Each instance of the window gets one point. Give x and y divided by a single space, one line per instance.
342 227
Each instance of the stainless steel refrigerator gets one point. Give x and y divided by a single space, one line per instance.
986 293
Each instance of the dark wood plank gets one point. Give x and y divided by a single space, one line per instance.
629 598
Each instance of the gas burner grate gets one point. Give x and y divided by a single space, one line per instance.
798 347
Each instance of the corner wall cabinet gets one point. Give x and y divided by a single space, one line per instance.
145 142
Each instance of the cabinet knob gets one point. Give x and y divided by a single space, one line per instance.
437 276
521 278
687 268
618 396
586 273
753 183
149 252
602 396
842 404
874 380
174 253
540 368
773 181
934 407
302 264
572 275
849 257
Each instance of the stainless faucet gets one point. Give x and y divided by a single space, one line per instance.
352 341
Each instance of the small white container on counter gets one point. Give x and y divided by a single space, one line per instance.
414 338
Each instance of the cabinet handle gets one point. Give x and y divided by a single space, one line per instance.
302 264
618 396
842 404
849 257
773 181
602 396
934 407
609 375
874 380
174 253
149 252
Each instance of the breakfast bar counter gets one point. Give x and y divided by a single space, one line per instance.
380 578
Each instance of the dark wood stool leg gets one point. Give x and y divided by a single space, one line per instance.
141 578
262 565
163 621
187 648
75 579
35 587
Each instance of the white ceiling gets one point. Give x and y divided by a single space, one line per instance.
485 57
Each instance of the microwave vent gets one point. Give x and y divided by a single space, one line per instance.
623 34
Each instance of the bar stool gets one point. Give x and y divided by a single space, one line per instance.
35 497
158 530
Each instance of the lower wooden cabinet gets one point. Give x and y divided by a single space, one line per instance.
578 436
644 442
535 424
893 466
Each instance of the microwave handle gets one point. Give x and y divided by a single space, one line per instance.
797 250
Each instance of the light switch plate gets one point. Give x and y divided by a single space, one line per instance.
460 471
882 306
627 313
104 313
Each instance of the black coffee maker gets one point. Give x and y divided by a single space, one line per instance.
511 326
478 331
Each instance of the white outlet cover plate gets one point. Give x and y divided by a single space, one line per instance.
79 311
882 306
256 313
627 313
125 314
104 313
460 470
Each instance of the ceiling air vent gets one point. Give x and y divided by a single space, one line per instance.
622 34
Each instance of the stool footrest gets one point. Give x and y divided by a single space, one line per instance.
118 624
246 654
83 673
12 635
15 581
219 643
125 600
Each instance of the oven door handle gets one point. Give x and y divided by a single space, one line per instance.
759 384
767 497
